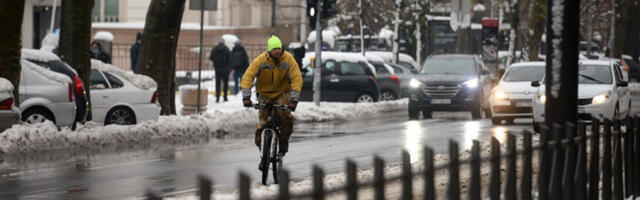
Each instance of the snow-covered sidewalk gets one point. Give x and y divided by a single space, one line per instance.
220 119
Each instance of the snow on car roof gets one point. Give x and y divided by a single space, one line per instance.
595 62
5 85
50 42
520 64
39 55
55 76
103 35
388 57
140 81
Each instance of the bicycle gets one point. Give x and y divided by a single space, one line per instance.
270 138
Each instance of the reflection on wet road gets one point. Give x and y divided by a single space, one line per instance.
173 169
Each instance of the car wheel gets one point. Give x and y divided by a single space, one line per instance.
36 115
536 127
427 114
364 98
496 121
388 96
413 110
120 116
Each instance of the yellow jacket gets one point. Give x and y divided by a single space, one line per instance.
273 79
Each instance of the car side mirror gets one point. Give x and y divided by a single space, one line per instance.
623 84
535 83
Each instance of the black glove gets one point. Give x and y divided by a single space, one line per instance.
292 105
247 103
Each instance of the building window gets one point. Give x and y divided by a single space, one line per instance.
108 13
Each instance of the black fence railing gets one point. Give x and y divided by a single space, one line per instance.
572 163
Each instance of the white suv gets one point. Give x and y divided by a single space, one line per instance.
44 93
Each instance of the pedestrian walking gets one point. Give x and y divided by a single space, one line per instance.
135 50
240 62
221 57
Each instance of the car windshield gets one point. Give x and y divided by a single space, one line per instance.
448 65
595 74
524 73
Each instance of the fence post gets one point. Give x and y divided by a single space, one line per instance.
378 171
352 181
580 176
555 181
594 161
152 196
245 184
284 185
628 154
205 187
407 177
568 184
525 184
606 161
429 185
544 157
318 183
454 177
494 180
618 188
475 187
511 182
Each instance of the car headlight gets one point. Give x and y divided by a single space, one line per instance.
415 83
542 98
600 99
500 95
473 83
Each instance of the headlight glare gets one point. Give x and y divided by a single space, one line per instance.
415 83
600 99
500 95
542 98
473 83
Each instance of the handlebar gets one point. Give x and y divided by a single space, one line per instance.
281 107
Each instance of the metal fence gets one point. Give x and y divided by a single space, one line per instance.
572 164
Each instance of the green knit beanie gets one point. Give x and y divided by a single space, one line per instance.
273 43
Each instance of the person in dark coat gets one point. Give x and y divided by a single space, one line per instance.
98 53
221 57
240 62
135 50
298 54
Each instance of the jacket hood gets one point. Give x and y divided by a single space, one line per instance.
238 48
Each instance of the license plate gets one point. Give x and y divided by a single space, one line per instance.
523 104
581 110
440 101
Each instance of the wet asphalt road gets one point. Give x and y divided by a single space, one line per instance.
172 169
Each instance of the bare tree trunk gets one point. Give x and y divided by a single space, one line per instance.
622 7
514 33
75 38
158 53
536 22
632 35
10 43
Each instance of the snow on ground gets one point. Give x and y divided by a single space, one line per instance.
140 81
5 85
219 120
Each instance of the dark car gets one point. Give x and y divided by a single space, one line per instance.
388 82
78 87
449 83
342 81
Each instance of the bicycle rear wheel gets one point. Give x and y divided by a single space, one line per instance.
266 160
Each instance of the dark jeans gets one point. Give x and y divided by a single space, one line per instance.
236 80
222 80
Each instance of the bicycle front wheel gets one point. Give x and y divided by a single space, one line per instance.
266 157
276 161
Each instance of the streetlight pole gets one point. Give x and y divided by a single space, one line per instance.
361 30
318 62
396 28
200 56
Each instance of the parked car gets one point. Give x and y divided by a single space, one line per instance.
450 82
405 75
511 98
388 82
50 90
9 113
602 92
346 77
404 60
116 100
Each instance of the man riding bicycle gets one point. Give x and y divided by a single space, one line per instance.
279 82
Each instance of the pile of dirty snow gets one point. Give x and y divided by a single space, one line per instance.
140 81
634 88
5 85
